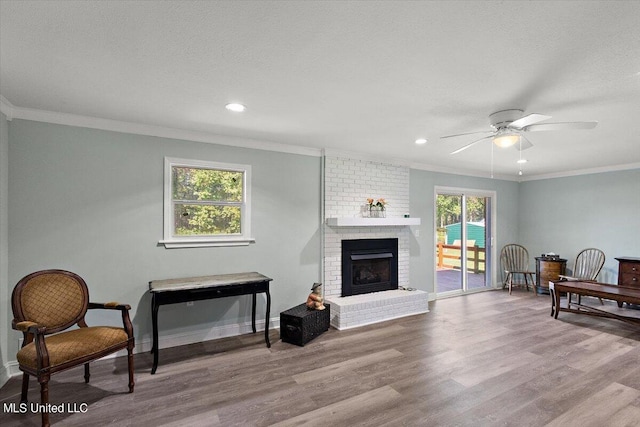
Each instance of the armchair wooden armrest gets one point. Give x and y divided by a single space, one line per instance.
124 308
34 332
29 329
24 326
109 305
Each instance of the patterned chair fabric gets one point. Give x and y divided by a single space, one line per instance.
67 347
47 303
53 300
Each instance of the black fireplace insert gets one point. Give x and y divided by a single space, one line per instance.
369 265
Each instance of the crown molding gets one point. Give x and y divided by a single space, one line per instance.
591 171
151 130
331 152
6 108
450 171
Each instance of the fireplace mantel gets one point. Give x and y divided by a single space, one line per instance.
371 222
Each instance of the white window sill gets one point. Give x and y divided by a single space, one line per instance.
205 243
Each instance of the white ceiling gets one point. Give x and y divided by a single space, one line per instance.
355 76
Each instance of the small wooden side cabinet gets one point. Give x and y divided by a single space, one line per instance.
548 269
628 273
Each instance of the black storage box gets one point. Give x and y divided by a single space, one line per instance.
299 325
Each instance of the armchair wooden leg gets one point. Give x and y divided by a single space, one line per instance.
130 363
44 400
25 388
87 374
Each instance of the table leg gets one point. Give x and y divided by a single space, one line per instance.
266 320
253 313
553 300
154 321
557 302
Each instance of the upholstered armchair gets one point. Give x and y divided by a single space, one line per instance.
46 306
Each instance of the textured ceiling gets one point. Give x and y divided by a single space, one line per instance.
362 77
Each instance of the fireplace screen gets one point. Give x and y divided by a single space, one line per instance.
371 268
369 265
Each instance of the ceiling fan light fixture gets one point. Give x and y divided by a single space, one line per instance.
506 139
235 107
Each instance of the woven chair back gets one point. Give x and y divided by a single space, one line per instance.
588 264
56 299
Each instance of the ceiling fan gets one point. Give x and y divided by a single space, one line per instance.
509 126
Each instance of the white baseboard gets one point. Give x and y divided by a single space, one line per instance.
167 341
175 340
9 370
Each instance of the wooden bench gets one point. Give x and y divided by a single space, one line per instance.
593 289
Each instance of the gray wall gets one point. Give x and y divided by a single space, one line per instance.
90 201
422 206
5 307
566 215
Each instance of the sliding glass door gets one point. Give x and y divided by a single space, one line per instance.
463 240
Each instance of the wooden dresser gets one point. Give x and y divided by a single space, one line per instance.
629 272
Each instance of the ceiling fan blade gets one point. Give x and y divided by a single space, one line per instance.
561 126
528 120
524 144
464 147
468 133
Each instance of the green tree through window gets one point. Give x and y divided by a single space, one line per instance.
207 201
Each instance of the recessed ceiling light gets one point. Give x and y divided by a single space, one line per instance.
522 161
421 141
237 108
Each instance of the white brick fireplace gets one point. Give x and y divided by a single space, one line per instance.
348 183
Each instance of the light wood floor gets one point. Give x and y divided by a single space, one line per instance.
485 359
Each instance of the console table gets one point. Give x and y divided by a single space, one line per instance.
173 291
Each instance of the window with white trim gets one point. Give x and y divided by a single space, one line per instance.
206 204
